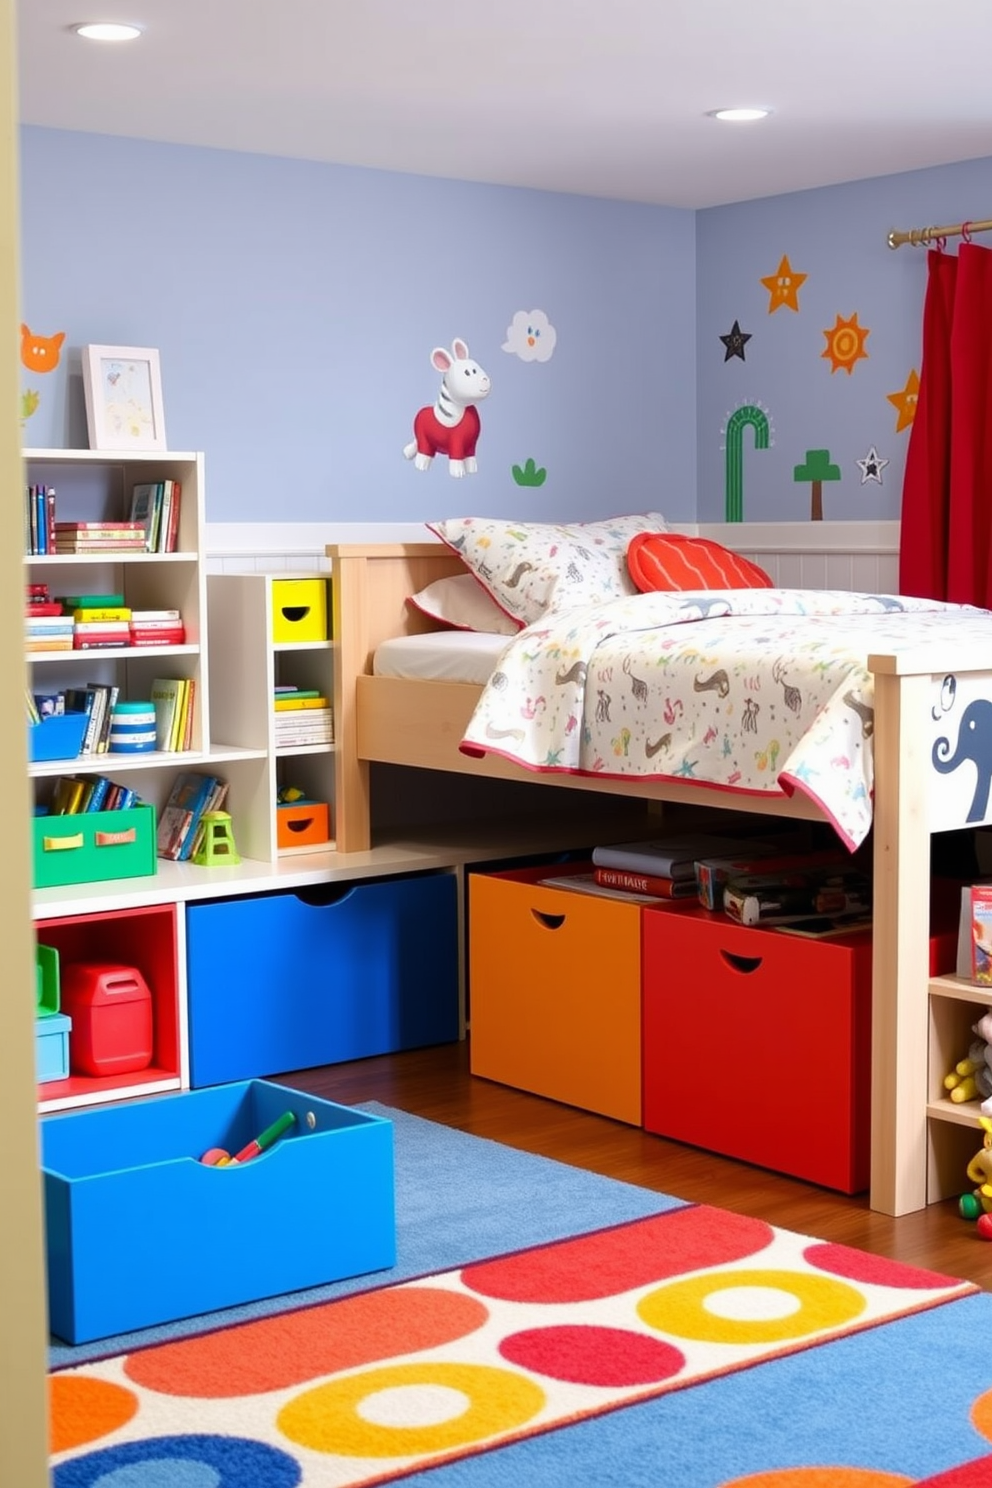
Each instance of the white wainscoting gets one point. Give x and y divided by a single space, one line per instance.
863 556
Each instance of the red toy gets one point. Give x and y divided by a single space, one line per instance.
452 426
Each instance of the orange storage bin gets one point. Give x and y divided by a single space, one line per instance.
303 824
111 1010
555 990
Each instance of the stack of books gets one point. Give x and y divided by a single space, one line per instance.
99 537
49 632
302 716
97 627
180 829
157 628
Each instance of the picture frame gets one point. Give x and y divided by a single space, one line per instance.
122 386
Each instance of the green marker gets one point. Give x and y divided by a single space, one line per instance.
265 1139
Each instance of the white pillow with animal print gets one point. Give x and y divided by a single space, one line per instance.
534 568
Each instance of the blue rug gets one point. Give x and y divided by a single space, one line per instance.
906 1402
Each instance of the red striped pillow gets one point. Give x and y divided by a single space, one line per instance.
671 560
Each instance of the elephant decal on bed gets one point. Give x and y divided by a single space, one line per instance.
974 743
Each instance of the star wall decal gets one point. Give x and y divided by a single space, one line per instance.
905 402
783 286
735 342
872 466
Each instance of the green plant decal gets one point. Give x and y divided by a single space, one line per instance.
30 398
751 415
530 474
816 470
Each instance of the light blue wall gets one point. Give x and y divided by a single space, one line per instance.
295 306
837 237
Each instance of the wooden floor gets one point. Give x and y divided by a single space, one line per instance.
436 1083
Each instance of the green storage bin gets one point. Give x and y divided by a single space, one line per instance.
94 845
48 993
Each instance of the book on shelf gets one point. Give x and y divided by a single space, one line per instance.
174 636
656 886
974 958
101 615
186 802
67 793
587 883
166 693
664 857
49 704
81 700
71 602
214 803
297 703
144 511
156 617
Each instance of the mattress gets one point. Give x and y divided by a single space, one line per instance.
440 656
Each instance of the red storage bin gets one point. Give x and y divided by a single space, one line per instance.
111 1010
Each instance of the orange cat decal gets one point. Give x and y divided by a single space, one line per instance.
40 353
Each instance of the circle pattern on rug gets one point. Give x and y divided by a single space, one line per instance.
700 1306
981 1415
607 1262
291 1348
335 1418
592 1355
181 1462
821 1477
858 1265
82 1409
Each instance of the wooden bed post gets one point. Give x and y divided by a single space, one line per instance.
349 608
901 942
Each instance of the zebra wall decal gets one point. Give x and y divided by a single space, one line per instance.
452 426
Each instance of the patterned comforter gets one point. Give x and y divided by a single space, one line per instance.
761 691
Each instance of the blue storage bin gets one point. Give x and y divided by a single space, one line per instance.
287 981
58 737
51 1042
139 1231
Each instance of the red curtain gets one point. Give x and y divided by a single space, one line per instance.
946 536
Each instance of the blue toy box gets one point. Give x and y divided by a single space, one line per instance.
139 1231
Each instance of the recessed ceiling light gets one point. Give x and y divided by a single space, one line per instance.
739 115
107 31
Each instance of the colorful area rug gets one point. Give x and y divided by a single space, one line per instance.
692 1347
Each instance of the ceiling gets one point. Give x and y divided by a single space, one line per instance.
562 95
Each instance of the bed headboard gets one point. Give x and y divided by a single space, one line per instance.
370 584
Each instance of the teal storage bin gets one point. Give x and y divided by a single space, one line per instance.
285 981
139 1231
51 1040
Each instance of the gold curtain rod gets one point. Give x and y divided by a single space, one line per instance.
920 235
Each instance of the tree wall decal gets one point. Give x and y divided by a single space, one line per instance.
816 470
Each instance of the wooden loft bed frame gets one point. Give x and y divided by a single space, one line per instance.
914 1160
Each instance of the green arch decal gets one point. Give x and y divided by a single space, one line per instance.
749 415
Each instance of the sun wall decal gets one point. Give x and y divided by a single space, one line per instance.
845 344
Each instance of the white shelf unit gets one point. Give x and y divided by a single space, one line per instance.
241 611
954 1135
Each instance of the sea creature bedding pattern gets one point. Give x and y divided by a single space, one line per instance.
757 690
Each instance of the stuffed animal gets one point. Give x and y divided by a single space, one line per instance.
971 1078
980 1167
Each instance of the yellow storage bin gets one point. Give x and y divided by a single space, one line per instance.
299 609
